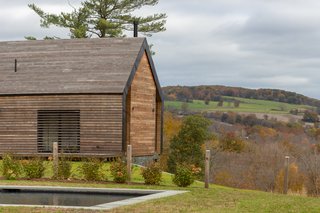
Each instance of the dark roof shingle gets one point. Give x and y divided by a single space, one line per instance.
67 66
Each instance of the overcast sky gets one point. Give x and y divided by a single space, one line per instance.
246 43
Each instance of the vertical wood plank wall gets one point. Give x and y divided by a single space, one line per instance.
159 126
141 117
100 121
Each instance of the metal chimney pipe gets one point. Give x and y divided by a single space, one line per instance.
135 28
15 65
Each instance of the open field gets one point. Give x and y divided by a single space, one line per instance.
215 199
246 105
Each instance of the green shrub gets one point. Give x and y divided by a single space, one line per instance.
152 174
118 171
64 169
33 168
11 168
186 147
91 169
183 177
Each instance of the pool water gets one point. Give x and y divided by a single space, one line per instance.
56 198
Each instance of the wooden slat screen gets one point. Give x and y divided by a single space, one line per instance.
62 126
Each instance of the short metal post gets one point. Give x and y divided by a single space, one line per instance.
286 175
207 169
129 161
55 159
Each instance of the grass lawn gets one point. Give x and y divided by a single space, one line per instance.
246 105
215 199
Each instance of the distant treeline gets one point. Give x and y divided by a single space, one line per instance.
215 93
251 120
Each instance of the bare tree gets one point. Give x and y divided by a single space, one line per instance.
311 162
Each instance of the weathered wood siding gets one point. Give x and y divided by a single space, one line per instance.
159 126
141 117
100 121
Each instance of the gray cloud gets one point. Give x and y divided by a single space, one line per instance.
248 43
268 44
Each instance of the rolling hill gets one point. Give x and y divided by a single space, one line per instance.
245 105
216 93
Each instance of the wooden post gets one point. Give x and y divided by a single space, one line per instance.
55 159
129 161
286 175
207 169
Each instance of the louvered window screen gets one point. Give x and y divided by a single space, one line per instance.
62 126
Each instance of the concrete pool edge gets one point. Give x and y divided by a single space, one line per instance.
152 194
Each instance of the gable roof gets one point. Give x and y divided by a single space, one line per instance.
71 66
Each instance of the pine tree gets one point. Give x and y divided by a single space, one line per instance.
104 18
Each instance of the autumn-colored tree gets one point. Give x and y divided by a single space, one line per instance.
295 180
264 132
231 118
187 146
250 120
171 127
314 132
185 95
231 143
310 116
295 127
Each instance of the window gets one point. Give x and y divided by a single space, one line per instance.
62 126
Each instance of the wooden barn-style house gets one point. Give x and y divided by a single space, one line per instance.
92 96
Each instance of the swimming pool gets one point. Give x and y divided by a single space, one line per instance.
76 197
